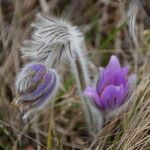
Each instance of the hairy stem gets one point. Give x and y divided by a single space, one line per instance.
92 114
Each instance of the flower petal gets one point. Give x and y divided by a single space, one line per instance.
107 74
112 96
45 96
49 80
92 93
115 77
113 63
120 77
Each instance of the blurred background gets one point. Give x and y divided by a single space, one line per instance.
107 31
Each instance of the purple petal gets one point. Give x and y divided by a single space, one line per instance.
33 71
37 67
105 79
38 76
46 95
120 77
40 71
113 63
109 76
48 81
92 93
112 96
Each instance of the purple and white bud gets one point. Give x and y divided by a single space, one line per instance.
35 86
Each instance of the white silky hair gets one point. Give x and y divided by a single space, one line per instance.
51 38
132 14
135 9
53 41
22 75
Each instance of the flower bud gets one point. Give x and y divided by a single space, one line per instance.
35 85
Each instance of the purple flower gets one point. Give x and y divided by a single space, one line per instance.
35 85
113 88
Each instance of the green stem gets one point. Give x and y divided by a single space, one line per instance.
49 138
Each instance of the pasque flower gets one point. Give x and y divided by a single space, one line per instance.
35 85
113 88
